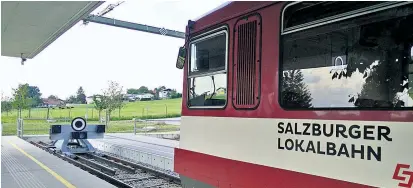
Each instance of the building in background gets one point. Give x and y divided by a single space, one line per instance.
47 102
89 100
165 94
145 97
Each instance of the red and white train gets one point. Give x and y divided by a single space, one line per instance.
298 94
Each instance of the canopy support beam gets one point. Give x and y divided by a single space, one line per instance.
133 26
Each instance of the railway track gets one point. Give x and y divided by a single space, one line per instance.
117 171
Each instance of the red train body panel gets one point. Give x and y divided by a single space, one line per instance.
208 133
269 105
220 172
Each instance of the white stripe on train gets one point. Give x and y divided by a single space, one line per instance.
365 152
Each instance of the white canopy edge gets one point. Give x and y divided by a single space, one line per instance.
28 27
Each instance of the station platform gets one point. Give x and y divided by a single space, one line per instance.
145 150
158 146
23 165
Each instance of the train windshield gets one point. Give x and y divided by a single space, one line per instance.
359 62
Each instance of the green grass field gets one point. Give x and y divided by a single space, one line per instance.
138 109
39 127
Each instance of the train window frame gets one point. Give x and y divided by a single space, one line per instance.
336 18
202 36
317 23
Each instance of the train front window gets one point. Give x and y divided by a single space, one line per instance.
207 74
209 54
360 62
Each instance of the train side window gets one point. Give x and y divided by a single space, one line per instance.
310 12
359 62
207 74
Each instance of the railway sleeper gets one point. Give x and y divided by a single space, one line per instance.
137 166
96 172
138 179
117 164
96 165
156 185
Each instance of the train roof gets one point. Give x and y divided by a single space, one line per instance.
227 11
213 10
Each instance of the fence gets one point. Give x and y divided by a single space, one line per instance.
149 111
37 126
134 155
32 126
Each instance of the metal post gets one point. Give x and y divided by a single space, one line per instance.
48 110
19 124
166 111
147 116
134 126
87 109
22 127
18 127
147 111
106 118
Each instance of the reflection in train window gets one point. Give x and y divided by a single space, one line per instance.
207 75
209 54
359 62
208 90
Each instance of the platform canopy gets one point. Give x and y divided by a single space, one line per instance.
28 27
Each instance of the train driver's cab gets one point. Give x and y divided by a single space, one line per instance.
207 69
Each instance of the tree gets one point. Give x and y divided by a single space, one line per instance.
383 81
21 98
120 106
143 89
160 88
80 96
174 94
71 99
295 93
32 97
6 106
113 95
54 97
132 91
381 55
100 102
35 95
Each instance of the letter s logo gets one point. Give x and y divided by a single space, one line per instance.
403 174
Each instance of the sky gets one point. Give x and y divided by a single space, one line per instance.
90 56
